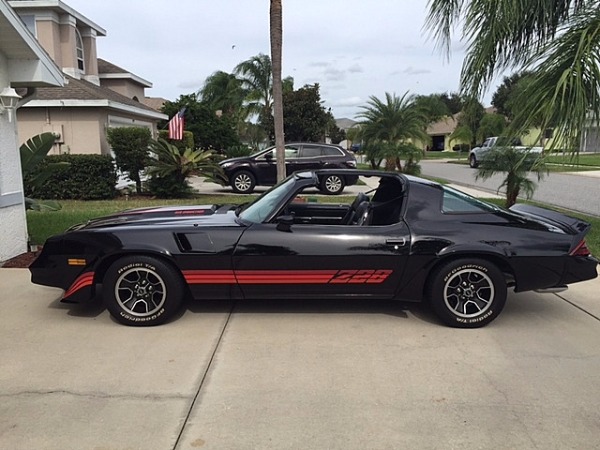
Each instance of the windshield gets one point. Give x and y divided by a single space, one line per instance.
260 209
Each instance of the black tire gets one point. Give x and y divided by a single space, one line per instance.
473 163
142 291
332 184
467 293
243 182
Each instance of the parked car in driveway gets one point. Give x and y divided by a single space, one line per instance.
407 239
260 169
477 154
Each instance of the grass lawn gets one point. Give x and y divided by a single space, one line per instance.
446 155
577 160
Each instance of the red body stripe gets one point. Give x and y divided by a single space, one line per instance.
84 280
273 277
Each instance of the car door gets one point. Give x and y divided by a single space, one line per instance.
310 158
321 261
265 168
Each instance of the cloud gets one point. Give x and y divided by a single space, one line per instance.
319 64
412 71
348 101
333 74
356 68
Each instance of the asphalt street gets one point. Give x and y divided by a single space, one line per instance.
298 375
577 191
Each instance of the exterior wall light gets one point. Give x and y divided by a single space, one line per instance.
8 101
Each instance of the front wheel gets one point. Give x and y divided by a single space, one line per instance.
142 291
332 184
467 293
473 161
243 182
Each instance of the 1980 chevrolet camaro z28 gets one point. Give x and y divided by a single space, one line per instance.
406 238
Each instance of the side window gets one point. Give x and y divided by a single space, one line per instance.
310 151
331 151
290 152
457 202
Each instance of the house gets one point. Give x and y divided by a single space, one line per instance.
25 67
440 132
98 95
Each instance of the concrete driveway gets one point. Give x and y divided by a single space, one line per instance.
298 375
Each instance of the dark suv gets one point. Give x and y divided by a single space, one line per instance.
260 168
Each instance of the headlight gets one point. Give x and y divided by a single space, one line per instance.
225 165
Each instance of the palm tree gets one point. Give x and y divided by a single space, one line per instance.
276 26
515 164
391 125
558 41
223 91
463 135
256 76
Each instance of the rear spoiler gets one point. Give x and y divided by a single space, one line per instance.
570 225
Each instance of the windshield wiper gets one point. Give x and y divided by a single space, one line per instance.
240 208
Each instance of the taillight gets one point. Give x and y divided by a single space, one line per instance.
581 249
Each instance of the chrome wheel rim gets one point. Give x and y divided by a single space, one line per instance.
333 184
243 182
140 292
469 293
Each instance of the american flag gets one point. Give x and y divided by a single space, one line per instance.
176 126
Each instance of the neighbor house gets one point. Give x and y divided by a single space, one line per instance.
24 67
98 95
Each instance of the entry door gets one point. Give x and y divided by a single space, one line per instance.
321 261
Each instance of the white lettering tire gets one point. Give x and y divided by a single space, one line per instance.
142 291
467 293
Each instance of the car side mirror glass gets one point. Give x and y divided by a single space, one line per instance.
284 223
269 156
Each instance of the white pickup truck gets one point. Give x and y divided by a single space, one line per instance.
478 153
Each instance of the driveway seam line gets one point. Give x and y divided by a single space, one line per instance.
201 384
578 307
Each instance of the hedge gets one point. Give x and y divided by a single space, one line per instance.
88 177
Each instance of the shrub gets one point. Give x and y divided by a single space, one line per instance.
236 151
169 186
186 142
130 145
88 177
170 168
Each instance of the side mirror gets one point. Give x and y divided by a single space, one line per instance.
284 223
269 156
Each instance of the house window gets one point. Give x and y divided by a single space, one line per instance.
29 21
79 48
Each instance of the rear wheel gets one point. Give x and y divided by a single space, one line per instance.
467 293
332 184
142 291
243 182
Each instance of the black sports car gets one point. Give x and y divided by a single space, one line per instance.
403 238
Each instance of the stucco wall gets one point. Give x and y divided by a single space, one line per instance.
124 87
13 224
82 128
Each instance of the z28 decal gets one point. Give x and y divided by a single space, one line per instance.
372 276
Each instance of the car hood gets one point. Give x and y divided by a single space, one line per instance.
237 159
164 215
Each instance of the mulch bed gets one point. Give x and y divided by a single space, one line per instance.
21 261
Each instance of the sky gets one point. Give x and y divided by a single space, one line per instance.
354 49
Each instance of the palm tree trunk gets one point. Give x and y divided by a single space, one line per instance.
276 24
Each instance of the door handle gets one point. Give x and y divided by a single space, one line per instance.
396 241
